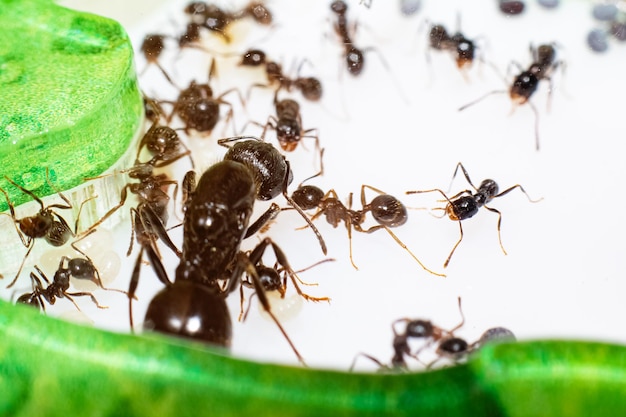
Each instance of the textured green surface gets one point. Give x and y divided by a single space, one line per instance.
49 367
70 101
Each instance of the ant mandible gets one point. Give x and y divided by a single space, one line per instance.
217 216
527 81
467 203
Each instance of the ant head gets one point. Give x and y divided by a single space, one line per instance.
288 134
465 52
524 86
270 278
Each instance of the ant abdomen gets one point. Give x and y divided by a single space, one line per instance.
308 197
266 163
191 310
388 210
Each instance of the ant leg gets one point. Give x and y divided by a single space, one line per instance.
25 241
270 214
445 264
481 98
85 294
300 211
499 221
534 109
521 189
109 213
19 271
370 357
458 326
151 222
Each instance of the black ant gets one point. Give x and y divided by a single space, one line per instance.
354 56
526 82
213 18
199 109
59 286
162 142
47 224
413 329
462 48
467 203
386 210
310 87
288 125
217 216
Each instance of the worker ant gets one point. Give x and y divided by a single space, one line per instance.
354 56
462 48
214 19
310 87
467 203
199 109
386 210
413 329
47 224
59 286
217 217
526 82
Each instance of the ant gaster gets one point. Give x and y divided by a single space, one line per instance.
527 81
467 203
217 216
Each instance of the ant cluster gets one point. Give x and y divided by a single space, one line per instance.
207 221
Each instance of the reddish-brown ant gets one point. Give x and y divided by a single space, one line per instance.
387 211
526 82
310 87
467 203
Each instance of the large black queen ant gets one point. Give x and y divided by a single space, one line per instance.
217 218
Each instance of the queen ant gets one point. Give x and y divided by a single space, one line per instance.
46 224
217 217
527 81
386 210
310 87
467 203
